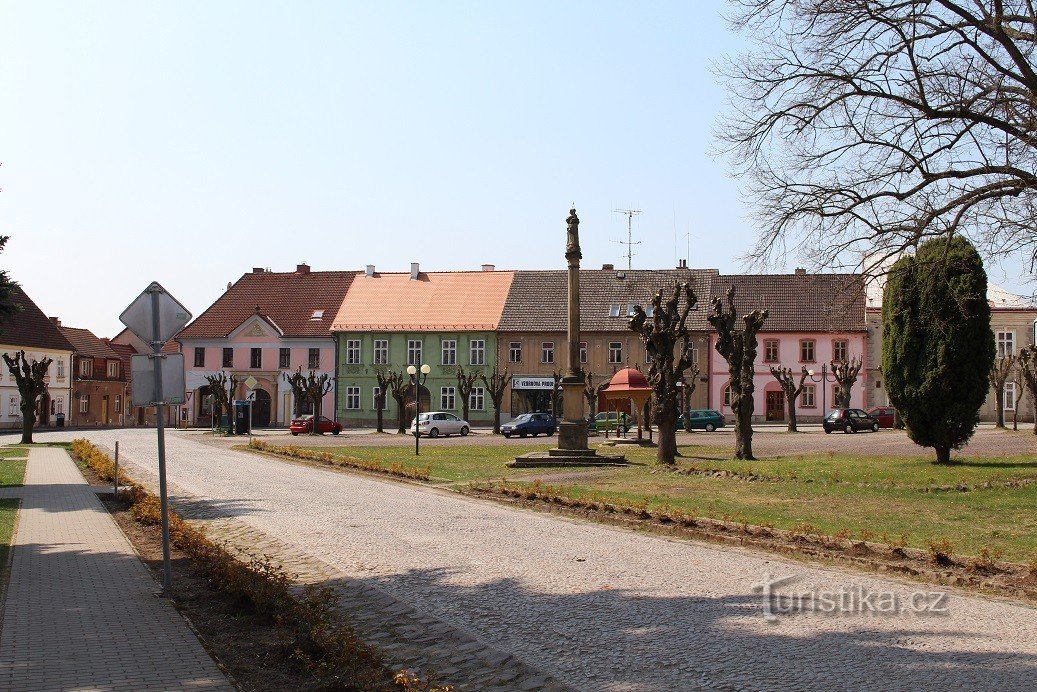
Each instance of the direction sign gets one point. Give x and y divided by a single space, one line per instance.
142 374
251 382
139 316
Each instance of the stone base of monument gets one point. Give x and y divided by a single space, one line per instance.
628 441
567 458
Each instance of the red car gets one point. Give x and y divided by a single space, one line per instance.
304 424
885 415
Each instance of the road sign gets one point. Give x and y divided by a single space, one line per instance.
142 375
250 382
250 395
139 316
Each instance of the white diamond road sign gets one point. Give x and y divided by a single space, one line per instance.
142 375
251 382
138 317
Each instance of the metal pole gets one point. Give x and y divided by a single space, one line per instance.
156 346
417 415
116 491
824 389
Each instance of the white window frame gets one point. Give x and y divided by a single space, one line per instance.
583 353
84 403
113 368
414 351
353 354
1006 344
60 406
86 367
374 398
515 352
809 396
613 310
448 398
615 352
118 403
448 352
726 396
1009 396
353 398
60 367
477 352
381 351
477 399
845 347
547 352
12 407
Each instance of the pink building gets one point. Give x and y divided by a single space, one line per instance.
265 325
814 319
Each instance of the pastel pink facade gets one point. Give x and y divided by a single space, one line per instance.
795 350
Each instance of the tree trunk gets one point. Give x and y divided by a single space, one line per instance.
792 410
27 424
744 429
943 454
1000 393
496 419
666 419
380 415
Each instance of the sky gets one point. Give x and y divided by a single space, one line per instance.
187 142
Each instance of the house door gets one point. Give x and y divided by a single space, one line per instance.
261 409
775 405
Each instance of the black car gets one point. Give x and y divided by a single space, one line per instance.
530 424
849 420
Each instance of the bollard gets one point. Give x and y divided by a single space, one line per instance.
116 469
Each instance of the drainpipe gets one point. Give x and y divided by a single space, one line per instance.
334 370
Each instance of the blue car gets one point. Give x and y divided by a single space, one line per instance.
702 419
530 424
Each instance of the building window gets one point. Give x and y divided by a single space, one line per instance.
770 351
84 403
547 352
1006 343
113 368
375 393
414 352
353 398
1009 396
446 398
583 352
313 358
835 394
693 353
477 352
840 351
808 396
61 367
806 351
118 403
255 358
12 406
381 351
284 358
727 396
86 367
228 357
477 399
449 352
353 352
615 352
199 357
60 408
613 311
515 352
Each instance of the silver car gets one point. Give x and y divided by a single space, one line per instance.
436 423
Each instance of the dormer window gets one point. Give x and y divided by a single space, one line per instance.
317 315
613 311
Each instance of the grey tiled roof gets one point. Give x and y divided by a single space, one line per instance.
537 299
798 302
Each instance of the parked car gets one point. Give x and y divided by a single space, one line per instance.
885 415
304 424
436 423
530 424
849 420
702 419
611 421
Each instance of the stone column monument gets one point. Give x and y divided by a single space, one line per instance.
572 429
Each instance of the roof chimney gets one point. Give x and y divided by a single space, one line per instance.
682 264
800 271
608 267
257 270
302 268
56 321
488 267
370 270
414 271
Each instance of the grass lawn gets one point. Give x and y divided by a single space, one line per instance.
884 497
8 510
12 465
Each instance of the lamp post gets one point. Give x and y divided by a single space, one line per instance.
418 380
824 388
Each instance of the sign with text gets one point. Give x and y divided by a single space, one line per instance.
519 382
142 373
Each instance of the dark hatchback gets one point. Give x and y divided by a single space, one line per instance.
530 424
849 420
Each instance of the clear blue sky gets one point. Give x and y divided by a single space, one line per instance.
187 142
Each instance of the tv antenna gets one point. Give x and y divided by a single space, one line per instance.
629 242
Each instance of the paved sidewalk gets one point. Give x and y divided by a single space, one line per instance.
81 610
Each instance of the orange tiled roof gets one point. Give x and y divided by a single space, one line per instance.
435 301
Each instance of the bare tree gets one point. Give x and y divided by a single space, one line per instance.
663 336
999 375
873 125
555 389
792 390
222 387
465 382
738 347
398 385
1027 361
845 373
383 376
688 384
28 376
1020 390
496 385
297 381
592 391
317 385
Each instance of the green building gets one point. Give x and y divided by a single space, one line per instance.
388 321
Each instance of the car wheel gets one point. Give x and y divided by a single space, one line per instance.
551 432
827 431
522 434
874 427
295 434
434 432
507 435
849 428
464 430
710 427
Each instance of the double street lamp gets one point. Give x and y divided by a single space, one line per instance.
418 378
824 385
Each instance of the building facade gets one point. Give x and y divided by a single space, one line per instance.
100 391
813 319
446 320
265 326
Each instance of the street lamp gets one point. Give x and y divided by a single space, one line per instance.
418 380
824 388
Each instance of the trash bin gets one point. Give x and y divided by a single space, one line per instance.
59 420
241 418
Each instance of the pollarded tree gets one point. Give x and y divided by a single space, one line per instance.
792 390
664 335
398 384
222 387
1027 362
465 383
738 347
317 385
999 375
297 381
556 389
1020 391
28 376
496 385
845 374
383 376
688 384
591 392
937 347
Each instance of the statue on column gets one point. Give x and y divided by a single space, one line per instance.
572 244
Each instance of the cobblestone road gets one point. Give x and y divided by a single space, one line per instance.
602 608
